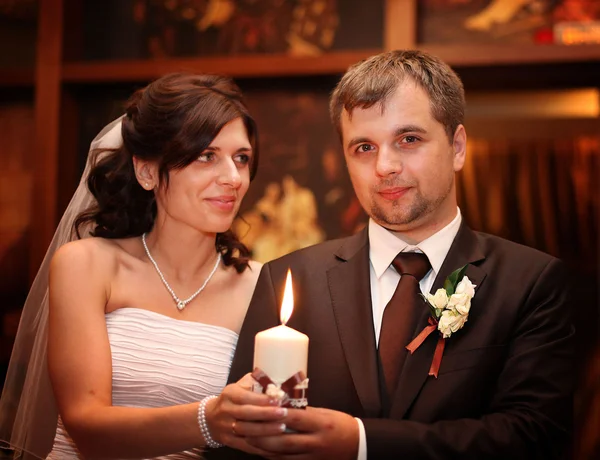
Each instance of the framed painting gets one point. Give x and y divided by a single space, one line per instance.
567 22
495 32
142 29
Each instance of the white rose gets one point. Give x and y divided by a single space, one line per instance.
439 300
274 392
460 302
466 287
451 322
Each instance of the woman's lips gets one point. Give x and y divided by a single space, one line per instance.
224 203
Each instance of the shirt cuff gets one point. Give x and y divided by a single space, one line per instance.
362 440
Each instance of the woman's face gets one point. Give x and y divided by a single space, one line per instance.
206 194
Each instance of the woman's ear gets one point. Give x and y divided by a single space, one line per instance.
146 173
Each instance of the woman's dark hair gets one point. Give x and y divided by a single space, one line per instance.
170 122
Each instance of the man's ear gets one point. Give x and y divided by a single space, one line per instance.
459 148
146 173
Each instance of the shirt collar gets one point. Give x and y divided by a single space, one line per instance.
384 245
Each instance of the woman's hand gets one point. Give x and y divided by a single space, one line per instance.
239 413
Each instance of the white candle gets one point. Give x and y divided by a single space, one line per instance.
281 351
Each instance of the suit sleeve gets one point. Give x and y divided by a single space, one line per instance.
531 412
263 313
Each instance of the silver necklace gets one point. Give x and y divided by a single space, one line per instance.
180 303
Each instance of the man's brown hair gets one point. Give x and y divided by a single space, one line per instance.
373 80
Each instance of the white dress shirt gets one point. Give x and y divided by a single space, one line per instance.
384 246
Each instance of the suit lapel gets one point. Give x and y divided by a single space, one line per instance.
350 290
464 250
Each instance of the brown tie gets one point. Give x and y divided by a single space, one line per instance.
398 322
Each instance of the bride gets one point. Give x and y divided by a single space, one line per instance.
142 318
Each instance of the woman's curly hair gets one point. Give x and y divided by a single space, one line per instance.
168 122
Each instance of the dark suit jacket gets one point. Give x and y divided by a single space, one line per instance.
504 389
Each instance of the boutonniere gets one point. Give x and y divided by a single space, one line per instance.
449 308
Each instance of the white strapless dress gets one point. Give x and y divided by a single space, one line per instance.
159 361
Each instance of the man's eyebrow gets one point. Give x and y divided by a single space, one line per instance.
357 140
398 131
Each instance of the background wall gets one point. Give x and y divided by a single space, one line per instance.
67 66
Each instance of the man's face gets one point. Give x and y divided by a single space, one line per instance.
401 162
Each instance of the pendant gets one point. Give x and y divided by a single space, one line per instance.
180 305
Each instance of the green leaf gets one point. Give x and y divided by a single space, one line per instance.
453 280
448 287
432 309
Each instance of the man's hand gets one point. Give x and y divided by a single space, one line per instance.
320 434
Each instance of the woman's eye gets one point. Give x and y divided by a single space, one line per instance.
243 159
206 157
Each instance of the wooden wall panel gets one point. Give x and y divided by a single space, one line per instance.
68 167
16 195
47 119
400 24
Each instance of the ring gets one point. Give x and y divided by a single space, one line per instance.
233 429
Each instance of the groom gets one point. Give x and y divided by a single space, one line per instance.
503 388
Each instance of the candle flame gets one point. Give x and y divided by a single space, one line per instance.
287 304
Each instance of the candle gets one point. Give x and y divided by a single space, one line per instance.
281 352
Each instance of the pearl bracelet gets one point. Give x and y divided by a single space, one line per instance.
209 441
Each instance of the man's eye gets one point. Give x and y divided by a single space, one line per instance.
362 148
410 139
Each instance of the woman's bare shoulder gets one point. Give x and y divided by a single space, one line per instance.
245 281
252 272
86 254
255 266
